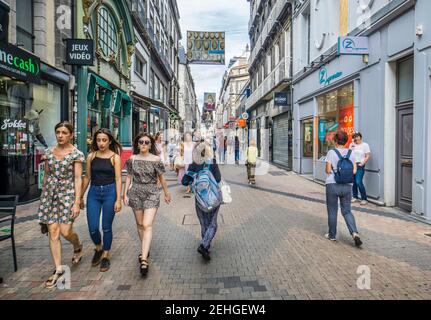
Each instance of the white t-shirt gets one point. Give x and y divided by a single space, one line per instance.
188 153
359 151
333 159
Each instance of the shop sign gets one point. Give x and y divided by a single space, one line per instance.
353 45
325 78
80 52
4 23
280 99
17 124
245 116
18 63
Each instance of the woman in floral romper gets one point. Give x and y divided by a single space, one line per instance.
60 200
142 194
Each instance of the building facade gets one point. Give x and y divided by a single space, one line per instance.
270 64
103 89
187 98
35 93
385 95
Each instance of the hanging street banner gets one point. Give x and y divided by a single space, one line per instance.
205 47
209 101
80 52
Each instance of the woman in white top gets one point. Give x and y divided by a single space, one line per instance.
188 156
160 146
361 152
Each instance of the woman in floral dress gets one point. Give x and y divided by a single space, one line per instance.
144 168
60 199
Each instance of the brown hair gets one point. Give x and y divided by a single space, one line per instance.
153 149
341 138
114 145
357 135
65 124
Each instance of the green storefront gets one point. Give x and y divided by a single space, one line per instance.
103 99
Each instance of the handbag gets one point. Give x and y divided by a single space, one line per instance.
43 228
225 192
179 162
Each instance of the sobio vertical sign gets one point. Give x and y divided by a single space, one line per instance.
80 52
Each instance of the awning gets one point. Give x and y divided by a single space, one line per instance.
157 103
123 100
92 90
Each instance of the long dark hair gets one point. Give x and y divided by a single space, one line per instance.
153 149
114 145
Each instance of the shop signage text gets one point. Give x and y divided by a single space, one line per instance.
280 99
353 45
326 79
80 52
17 124
18 63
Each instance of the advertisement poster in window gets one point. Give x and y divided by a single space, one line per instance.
41 174
346 121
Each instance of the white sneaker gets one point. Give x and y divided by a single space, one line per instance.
354 200
327 237
364 202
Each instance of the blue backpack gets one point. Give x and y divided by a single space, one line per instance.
206 189
344 173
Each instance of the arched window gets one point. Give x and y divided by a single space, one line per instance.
107 33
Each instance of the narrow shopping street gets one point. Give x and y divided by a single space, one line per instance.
269 245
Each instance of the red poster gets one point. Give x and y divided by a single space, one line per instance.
125 155
346 121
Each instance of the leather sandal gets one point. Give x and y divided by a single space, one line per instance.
75 252
52 280
144 268
140 256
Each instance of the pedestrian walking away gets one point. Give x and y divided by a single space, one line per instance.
361 153
144 168
340 170
171 153
188 157
236 150
61 195
103 170
251 162
208 220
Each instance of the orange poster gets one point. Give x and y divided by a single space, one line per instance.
346 122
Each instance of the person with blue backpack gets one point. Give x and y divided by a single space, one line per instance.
340 170
203 175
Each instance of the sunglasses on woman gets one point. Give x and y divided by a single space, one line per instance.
146 142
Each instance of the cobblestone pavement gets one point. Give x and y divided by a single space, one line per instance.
269 245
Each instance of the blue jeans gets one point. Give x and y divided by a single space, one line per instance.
343 192
359 184
208 221
236 155
101 198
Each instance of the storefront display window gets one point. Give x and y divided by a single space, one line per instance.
28 115
307 133
336 112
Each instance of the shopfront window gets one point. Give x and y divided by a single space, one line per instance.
28 115
307 134
336 112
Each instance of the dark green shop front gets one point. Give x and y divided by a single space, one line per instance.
108 107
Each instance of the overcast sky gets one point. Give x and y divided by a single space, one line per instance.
230 16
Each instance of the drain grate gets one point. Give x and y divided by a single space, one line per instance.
278 173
